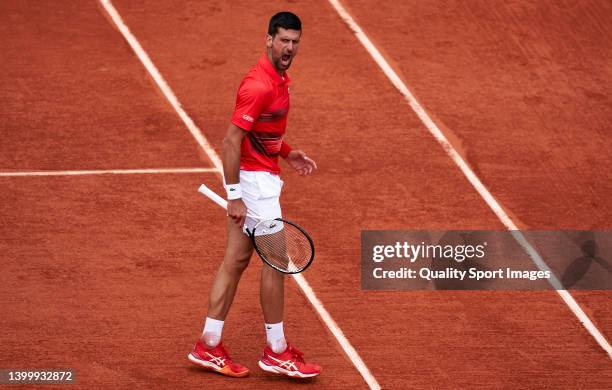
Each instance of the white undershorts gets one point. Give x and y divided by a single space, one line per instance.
261 195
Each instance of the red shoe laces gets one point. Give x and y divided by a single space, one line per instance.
226 355
297 354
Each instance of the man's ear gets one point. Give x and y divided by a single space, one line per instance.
269 39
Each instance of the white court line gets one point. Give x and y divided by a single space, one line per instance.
300 280
109 172
470 175
161 83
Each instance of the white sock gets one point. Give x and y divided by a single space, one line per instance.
276 337
212 332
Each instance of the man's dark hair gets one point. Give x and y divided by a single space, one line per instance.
286 20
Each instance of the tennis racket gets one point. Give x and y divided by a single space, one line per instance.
281 244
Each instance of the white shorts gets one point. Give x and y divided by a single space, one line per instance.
261 195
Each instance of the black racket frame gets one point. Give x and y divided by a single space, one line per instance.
269 263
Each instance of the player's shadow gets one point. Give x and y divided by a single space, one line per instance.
578 268
266 377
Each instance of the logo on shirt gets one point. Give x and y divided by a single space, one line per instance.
248 118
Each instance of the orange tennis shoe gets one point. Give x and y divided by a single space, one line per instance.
290 362
216 359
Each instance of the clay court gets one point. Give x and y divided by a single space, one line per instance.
108 250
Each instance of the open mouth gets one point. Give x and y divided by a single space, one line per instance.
285 58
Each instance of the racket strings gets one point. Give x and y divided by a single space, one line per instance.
288 249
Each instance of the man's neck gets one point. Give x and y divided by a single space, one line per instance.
269 55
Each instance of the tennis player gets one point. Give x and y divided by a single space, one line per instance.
252 145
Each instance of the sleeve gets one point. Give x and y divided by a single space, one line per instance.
251 101
285 149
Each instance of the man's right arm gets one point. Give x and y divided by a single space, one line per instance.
230 156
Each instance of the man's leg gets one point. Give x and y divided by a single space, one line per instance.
237 255
279 357
272 298
272 294
209 352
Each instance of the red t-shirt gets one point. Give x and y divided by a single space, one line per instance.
261 109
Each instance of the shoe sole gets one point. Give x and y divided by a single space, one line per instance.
282 371
227 371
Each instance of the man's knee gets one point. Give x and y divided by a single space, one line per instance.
236 263
238 251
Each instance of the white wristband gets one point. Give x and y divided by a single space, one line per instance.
234 191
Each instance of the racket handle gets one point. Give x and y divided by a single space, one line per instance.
213 196
222 202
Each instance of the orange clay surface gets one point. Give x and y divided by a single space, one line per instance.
109 274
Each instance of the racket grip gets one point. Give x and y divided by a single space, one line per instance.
220 201
213 196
